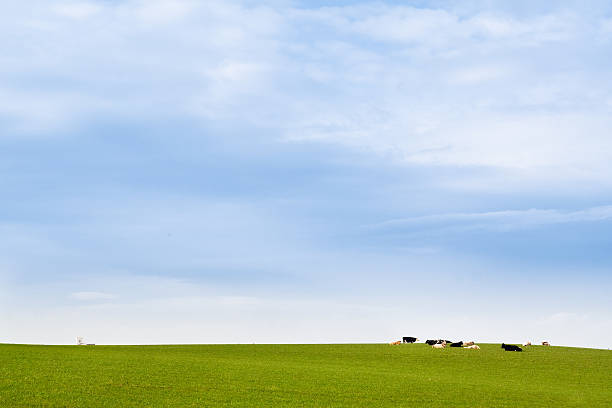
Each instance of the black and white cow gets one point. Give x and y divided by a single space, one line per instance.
439 341
511 347
409 339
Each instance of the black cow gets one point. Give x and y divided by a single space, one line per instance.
511 347
431 342
457 344
409 339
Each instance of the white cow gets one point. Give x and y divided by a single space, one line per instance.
439 346
473 347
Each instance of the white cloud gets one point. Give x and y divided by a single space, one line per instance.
474 75
565 317
420 86
78 10
404 24
438 29
512 219
162 11
88 296
605 28
130 59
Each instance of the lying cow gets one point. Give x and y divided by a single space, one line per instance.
439 346
473 347
395 343
545 343
457 344
432 342
469 343
511 347
409 339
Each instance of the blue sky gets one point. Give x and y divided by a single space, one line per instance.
294 171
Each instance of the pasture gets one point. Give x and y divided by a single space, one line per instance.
344 375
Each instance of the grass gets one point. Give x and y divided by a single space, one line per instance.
370 375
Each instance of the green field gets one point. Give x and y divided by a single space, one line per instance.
371 375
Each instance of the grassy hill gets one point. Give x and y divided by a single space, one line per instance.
303 375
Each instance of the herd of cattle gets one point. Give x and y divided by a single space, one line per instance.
440 344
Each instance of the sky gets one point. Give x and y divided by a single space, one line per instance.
305 171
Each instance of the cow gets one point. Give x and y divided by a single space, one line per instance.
510 347
409 339
395 343
431 342
527 344
457 344
439 346
473 347
545 343
469 343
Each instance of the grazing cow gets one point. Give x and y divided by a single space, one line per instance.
527 344
457 344
545 343
439 346
395 343
409 339
511 347
473 347
469 343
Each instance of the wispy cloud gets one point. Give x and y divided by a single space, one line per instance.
502 220
430 86
89 296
